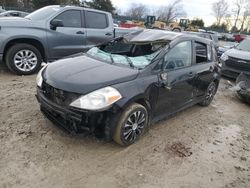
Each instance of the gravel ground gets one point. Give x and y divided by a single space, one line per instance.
199 147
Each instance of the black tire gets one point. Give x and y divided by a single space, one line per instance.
29 49
176 30
209 96
126 132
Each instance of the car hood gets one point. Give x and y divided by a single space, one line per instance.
83 74
238 54
17 22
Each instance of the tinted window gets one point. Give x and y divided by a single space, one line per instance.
201 52
96 20
178 57
70 18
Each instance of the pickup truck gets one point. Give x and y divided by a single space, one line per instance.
51 33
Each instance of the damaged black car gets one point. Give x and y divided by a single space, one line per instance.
121 87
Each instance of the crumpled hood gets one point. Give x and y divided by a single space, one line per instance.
17 22
84 74
238 54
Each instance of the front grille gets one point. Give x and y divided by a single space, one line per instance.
238 64
60 97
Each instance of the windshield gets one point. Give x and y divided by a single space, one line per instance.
42 13
137 62
244 45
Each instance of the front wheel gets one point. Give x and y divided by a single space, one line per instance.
23 59
209 96
131 125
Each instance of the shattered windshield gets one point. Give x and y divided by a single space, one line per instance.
244 45
133 55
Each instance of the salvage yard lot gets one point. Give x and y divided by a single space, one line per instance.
199 147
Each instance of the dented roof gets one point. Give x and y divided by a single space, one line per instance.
150 35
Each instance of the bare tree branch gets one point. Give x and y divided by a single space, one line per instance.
220 9
171 12
137 11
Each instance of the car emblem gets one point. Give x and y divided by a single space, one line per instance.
240 61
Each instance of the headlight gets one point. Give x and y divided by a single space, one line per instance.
97 100
224 57
39 78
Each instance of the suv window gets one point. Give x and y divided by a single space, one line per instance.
201 52
179 56
96 20
70 18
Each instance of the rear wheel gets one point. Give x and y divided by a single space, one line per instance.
23 59
131 125
209 96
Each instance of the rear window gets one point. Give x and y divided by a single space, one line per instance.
96 20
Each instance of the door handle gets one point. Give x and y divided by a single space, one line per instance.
108 34
80 33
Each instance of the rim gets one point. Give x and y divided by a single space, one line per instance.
134 126
25 60
210 93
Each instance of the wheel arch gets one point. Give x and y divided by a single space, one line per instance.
31 41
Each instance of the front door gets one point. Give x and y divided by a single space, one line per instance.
177 76
68 39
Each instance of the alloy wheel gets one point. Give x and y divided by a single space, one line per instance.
134 126
25 60
210 92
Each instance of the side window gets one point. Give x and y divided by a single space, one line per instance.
70 18
96 20
201 52
15 14
179 56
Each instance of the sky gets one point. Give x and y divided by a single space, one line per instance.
193 8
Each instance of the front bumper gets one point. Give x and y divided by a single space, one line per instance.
231 72
71 120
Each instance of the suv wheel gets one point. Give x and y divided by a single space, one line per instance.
23 59
131 125
209 96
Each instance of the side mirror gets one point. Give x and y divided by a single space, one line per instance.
56 23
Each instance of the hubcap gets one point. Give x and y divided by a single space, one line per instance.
134 126
25 60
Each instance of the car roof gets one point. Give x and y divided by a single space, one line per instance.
155 35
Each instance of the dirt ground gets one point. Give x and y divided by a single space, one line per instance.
199 147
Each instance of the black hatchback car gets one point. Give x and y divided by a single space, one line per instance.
120 87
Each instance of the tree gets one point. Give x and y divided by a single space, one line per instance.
220 9
137 11
197 22
8 3
105 5
171 12
238 6
41 3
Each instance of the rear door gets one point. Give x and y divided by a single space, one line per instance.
204 66
178 73
68 39
98 28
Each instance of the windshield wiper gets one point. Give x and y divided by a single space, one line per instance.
131 64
